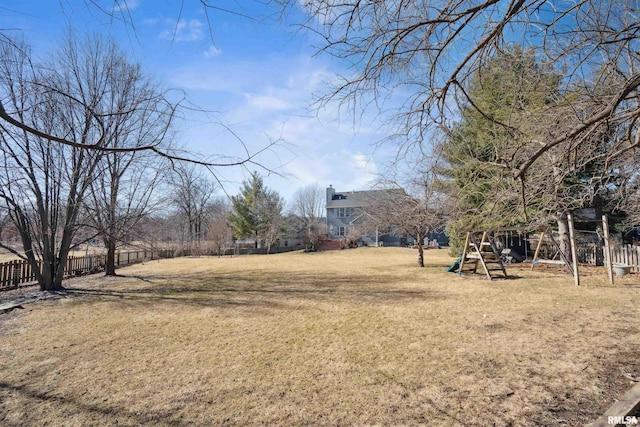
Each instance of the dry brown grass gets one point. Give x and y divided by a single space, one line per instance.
340 338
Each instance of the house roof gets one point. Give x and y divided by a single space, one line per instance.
358 199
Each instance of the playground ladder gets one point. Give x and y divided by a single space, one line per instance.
483 253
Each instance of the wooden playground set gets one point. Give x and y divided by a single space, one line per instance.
487 251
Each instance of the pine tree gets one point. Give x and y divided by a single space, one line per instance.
491 138
256 212
515 105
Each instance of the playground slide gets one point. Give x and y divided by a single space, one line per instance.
454 267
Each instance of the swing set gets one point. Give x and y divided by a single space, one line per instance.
491 249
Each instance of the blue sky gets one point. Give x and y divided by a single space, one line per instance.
256 76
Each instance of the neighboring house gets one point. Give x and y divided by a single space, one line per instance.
346 217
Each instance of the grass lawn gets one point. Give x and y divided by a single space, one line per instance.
354 337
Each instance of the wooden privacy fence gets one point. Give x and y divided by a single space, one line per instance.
18 272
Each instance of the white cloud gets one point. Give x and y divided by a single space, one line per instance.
363 162
318 146
304 171
267 102
232 77
183 30
212 51
327 164
125 5
366 171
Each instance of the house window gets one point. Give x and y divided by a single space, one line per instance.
341 231
345 212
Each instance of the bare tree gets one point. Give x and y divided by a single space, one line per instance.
308 205
219 231
272 225
44 183
4 221
416 207
627 185
119 12
123 193
275 227
191 193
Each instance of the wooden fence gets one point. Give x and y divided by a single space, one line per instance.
19 272
590 254
627 255
593 254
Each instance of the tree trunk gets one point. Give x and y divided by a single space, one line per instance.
46 283
110 238
420 252
52 274
59 273
49 272
563 235
54 261
110 267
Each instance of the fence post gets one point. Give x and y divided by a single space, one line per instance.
626 254
28 272
15 273
3 271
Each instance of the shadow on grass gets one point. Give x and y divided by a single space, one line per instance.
446 413
72 405
253 288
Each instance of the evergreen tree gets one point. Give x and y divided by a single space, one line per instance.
492 137
515 105
256 212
